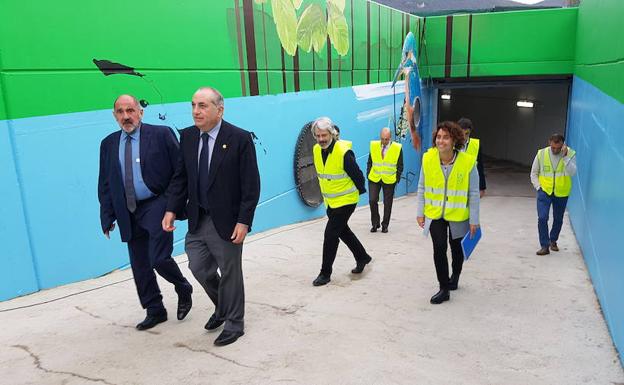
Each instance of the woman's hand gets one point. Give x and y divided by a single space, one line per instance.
473 230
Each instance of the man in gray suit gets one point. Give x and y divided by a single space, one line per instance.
217 183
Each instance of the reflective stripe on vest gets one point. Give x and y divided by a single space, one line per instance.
337 187
384 169
550 179
447 198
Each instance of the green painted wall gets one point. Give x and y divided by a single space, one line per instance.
536 42
600 46
47 48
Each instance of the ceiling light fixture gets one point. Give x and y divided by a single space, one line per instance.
445 96
524 103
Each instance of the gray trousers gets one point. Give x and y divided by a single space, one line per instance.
206 252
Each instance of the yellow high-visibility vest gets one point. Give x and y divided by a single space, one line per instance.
473 147
337 187
348 143
384 169
452 194
551 179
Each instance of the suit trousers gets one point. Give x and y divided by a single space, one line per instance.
150 249
439 231
373 197
207 252
337 230
544 201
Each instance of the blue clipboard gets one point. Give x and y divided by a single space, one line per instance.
468 245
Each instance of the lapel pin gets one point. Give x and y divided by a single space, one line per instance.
225 146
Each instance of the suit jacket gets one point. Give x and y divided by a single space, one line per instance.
158 153
233 179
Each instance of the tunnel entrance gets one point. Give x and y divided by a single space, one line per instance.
513 119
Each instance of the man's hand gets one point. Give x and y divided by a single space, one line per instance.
239 233
421 222
112 227
473 230
564 150
481 193
167 222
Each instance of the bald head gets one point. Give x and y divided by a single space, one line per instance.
385 136
127 112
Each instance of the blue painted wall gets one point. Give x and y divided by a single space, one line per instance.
53 235
596 206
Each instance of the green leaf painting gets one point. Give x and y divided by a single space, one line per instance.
340 4
286 23
337 29
312 29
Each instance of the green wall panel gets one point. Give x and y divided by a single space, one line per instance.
600 48
176 47
535 42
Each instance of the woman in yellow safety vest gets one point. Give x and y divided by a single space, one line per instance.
448 199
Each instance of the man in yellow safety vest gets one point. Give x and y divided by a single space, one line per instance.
473 147
384 168
341 183
551 175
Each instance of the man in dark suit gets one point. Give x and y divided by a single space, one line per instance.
136 165
218 183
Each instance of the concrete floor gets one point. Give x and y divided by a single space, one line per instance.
517 318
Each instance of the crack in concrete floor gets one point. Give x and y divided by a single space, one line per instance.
38 365
184 346
112 323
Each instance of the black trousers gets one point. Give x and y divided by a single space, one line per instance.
373 197
150 249
337 230
439 231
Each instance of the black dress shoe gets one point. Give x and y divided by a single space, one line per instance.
213 322
374 229
359 267
453 282
441 296
227 337
184 306
151 320
384 229
321 280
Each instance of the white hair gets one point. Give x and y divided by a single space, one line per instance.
324 123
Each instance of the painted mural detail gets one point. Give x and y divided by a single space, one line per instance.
108 68
313 28
410 112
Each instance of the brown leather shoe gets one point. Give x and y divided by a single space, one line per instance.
553 246
543 251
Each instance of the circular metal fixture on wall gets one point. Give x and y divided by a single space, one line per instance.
305 173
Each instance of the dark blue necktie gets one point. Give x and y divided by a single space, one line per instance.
202 184
129 178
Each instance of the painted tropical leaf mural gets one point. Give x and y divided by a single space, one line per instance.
337 28
312 29
285 19
340 4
